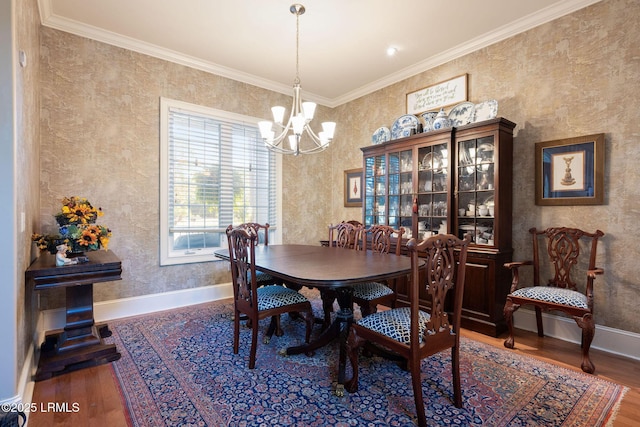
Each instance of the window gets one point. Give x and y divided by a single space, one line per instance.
215 171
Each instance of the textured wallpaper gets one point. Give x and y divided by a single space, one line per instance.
574 76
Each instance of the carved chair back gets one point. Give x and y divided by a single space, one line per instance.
562 250
242 242
445 256
259 230
345 235
379 238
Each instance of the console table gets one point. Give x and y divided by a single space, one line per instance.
80 344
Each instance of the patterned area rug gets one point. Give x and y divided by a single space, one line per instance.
178 369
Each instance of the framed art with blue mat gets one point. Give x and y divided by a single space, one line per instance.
570 171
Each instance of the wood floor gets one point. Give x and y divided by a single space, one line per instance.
98 400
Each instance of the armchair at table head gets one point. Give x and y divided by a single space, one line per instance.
563 251
414 334
255 302
380 239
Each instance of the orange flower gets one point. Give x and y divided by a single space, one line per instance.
89 236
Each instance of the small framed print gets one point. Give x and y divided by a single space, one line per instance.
353 188
570 171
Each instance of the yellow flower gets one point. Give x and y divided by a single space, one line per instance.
77 214
87 238
104 242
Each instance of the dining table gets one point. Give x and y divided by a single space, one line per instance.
327 268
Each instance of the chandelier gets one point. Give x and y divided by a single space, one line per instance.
300 118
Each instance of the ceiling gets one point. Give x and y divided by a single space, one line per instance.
343 43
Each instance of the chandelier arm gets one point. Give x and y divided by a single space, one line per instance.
312 134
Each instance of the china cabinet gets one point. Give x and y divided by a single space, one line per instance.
457 180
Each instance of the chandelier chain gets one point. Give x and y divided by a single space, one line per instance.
297 80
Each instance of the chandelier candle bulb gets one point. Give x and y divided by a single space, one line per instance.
293 142
329 129
278 114
309 109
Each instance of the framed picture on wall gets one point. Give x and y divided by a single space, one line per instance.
443 94
353 188
570 171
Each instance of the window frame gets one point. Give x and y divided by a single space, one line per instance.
167 256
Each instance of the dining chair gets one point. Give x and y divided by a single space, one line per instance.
264 279
378 239
413 334
564 251
345 235
256 302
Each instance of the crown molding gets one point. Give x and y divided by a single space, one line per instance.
499 34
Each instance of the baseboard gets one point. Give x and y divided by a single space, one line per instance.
607 339
134 306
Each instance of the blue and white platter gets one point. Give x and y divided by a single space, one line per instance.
381 135
404 126
486 110
462 114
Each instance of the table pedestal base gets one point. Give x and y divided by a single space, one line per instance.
339 328
56 360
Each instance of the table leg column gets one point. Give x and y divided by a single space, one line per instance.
345 317
79 330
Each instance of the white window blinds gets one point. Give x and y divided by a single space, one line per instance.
219 172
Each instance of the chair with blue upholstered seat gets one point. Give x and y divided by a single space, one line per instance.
563 253
264 279
256 302
379 239
413 334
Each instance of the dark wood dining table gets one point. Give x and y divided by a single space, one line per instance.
324 267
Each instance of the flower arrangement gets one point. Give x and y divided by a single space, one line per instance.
77 228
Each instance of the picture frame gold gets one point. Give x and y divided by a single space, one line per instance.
353 188
570 171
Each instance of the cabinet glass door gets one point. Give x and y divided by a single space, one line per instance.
433 187
375 196
476 183
400 189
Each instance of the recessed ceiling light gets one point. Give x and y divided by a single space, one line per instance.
391 51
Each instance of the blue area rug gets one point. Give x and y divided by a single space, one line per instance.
178 369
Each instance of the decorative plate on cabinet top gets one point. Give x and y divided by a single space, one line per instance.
486 110
403 126
381 135
462 114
